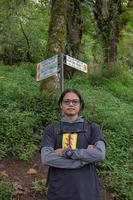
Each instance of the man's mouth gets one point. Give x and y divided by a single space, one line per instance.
70 109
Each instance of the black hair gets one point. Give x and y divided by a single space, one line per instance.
74 91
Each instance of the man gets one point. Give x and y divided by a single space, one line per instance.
70 148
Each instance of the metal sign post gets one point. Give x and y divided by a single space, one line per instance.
55 64
62 73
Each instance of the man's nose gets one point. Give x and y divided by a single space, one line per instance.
71 103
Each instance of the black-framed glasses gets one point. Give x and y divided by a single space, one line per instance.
74 102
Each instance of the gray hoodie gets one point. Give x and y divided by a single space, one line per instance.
78 158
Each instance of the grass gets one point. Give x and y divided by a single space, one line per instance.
5 191
22 110
110 104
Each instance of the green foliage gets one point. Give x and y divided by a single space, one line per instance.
23 30
23 110
110 104
38 186
5 191
91 43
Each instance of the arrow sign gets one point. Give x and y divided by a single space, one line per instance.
47 68
77 64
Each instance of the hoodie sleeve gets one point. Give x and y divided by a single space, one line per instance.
48 155
97 153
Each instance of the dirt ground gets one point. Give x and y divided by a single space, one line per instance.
28 178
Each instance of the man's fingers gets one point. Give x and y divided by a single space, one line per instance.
90 146
58 151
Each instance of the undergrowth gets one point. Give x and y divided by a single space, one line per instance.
110 104
5 191
24 112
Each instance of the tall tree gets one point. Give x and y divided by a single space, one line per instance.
111 17
57 28
56 39
65 33
74 27
74 32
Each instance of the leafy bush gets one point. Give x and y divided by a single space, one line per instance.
23 110
111 105
122 90
5 191
25 39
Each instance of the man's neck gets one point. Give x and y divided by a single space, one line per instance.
71 118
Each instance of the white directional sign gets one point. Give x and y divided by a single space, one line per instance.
77 64
47 68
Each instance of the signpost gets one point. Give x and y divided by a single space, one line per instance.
77 64
47 68
62 73
55 64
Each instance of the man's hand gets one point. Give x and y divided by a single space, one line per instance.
59 151
90 146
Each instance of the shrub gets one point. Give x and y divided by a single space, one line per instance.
5 191
110 105
23 111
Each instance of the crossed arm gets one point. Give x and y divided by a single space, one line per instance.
78 158
52 158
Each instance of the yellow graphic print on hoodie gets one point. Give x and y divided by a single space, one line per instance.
69 141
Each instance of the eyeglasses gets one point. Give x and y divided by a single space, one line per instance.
74 102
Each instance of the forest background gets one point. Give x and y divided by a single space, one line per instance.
100 33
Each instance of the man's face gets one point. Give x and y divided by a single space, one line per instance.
70 104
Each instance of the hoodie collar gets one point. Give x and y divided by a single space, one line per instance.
79 119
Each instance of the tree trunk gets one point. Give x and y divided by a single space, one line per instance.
74 28
74 33
57 28
28 54
108 22
56 39
110 48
